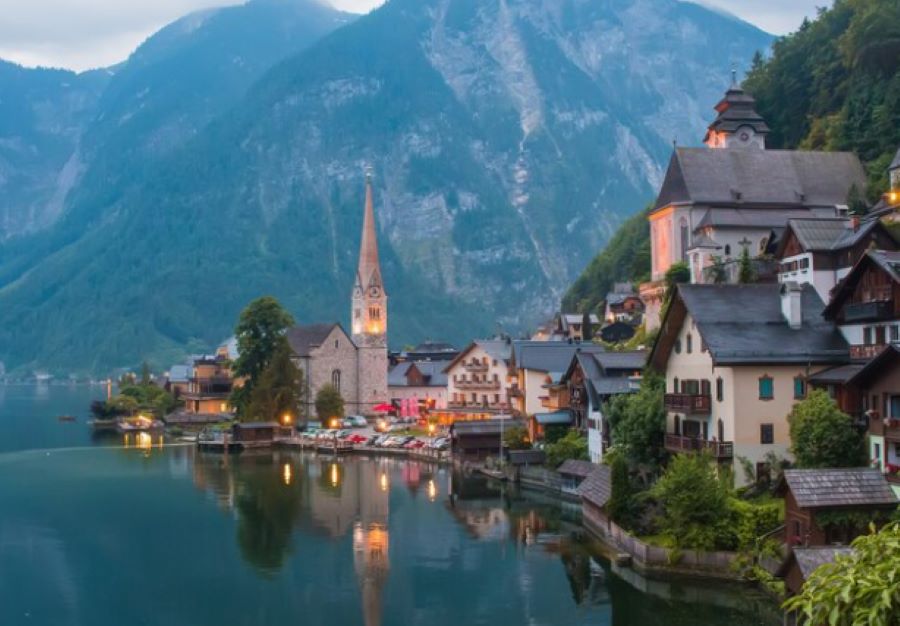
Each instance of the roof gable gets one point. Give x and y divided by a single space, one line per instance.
305 339
879 260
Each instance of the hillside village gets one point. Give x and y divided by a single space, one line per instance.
771 299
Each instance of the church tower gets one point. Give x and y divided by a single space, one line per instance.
369 314
737 125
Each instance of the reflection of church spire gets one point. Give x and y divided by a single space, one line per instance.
371 544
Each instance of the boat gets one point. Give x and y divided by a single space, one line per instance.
66 418
104 424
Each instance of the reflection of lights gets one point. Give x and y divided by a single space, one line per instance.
127 441
334 475
143 441
432 490
384 481
286 473
159 441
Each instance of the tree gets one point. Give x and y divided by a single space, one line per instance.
329 404
678 273
695 502
259 332
746 273
638 422
822 435
716 272
572 446
587 329
516 438
279 390
621 506
146 375
860 588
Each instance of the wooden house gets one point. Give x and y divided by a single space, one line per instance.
802 562
478 439
595 492
833 506
572 473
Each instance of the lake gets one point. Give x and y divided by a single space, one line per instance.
97 533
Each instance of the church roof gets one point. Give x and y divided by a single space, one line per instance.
895 164
737 109
304 339
777 178
369 267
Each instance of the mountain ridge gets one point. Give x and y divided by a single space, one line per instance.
506 137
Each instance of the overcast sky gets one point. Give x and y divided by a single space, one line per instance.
81 34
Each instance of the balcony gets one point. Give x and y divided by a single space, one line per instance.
865 352
476 366
687 403
869 311
719 449
887 427
515 392
478 384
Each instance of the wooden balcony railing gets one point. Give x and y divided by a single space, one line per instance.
719 449
478 384
869 311
690 404
476 366
866 352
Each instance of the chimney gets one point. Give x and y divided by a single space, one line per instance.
791 304
854 222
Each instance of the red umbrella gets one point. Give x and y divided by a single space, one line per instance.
383 408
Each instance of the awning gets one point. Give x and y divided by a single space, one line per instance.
557 417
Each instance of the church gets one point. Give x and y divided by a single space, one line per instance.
356 364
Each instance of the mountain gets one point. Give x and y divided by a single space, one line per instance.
508 138
43 114
74 132
832 85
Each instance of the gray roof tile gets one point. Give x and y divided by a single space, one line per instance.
819 488
773 177
597 487
744 324
574 467
303 339
810 559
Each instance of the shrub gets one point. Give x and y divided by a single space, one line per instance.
572 446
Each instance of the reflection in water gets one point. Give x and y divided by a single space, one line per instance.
278 495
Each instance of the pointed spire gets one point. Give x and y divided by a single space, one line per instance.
368 247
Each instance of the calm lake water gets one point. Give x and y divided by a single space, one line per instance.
99 534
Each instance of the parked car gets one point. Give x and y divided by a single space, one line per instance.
414 444
356 438
355 421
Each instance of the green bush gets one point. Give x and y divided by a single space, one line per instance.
572 446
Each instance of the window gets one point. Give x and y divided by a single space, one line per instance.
336 379
677 425
374 313
895 407
675 386
727 249
720 390
704 388
721 430
337 344
877 458
766 388
895 333
867 335
799 388
496 398
685 238
880 335
678 346
690 343
766 433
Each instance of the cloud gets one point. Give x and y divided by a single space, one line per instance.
83 34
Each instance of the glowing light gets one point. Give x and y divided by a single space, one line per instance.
334 422
286 474
286 419
432 490
335 477
384 482
144 441
894 196
431 429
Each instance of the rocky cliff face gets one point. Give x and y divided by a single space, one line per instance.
508 138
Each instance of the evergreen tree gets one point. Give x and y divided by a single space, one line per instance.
278 394
260 332
587 328
746 273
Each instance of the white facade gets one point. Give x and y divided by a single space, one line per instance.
478 380
804 272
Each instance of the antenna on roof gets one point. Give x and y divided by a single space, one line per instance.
733 75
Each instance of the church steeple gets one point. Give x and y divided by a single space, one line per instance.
369 308
737 125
